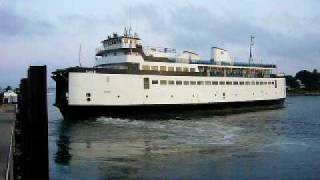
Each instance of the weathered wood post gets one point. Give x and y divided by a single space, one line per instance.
38 123
31 159
21 132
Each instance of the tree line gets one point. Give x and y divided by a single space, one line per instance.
311 80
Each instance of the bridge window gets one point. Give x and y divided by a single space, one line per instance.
154 82
193 82
185 82
178 82
178 69
170 68
171 82
154 68
146 67
214 82
163 68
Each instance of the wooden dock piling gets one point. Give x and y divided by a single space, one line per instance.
32 126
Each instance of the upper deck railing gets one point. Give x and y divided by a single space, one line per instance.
242 64
102 49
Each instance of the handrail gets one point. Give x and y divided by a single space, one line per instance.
9 165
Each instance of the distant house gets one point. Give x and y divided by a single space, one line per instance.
301 85
9 97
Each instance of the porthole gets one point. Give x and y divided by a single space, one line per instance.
88 99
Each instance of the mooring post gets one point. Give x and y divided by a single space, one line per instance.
37 123
21 132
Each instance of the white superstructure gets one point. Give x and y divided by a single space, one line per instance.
128 74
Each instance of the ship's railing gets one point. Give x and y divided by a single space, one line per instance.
102 49
159 49
235 64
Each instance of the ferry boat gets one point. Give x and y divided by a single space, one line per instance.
129 77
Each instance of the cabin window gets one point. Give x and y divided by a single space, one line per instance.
200 82
253 83
192 70
193 82
154 81
275 84
261 83
247 82
221 82
208 82
214 82
229 83
178 69
146 67
163 82
114 53
269 82
154 68
235 82
185 82
163 68
265 83
171 82
178 82
170 68
146 84
241 83
257 83
185 69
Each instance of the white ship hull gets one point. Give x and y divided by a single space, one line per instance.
128 89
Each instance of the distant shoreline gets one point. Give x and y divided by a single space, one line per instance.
302 93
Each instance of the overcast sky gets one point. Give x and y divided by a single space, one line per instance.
36 32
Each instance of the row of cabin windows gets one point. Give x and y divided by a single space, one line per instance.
172 82
124 53
118 41
165 68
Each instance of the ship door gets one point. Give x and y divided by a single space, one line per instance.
275 84
146 83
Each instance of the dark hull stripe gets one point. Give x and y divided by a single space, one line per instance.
140 111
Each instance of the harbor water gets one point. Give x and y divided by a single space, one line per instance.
262 144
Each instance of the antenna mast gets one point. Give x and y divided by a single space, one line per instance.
251 45
80 55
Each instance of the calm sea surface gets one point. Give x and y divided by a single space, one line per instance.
265 144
